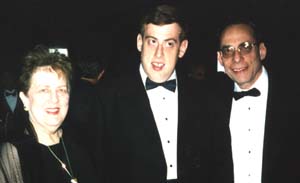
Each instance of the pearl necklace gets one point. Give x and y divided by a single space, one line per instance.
63 165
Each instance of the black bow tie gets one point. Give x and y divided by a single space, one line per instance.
253 92
10 93
170 85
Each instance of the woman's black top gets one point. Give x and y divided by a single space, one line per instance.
40 166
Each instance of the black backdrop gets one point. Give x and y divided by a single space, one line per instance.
108 29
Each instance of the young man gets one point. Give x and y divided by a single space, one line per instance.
261 117
160 126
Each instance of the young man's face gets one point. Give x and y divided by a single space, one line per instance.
160 49
244 65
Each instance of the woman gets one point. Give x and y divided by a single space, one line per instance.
47 153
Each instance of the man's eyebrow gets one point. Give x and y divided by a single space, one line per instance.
169 39
146 37
225 46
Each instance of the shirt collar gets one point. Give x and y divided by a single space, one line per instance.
261 84
6 92
144 75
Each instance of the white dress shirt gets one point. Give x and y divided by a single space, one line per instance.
164 105
247 124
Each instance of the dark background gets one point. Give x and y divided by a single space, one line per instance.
108 29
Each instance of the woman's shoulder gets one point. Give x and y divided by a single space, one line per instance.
23 142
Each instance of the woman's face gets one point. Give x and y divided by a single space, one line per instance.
47 100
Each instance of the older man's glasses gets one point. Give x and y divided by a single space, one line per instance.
244 49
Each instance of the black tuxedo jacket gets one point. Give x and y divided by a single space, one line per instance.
132 146
11 124
281 151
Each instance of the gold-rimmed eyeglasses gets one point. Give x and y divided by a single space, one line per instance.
244 48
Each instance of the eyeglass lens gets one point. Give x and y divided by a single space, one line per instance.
244 48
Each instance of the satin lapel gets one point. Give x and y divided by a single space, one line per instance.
267 148
275 125
223 88
4 105
135 96
186 102
227 97
19 105
181 118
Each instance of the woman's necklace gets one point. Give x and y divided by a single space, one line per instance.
63 165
